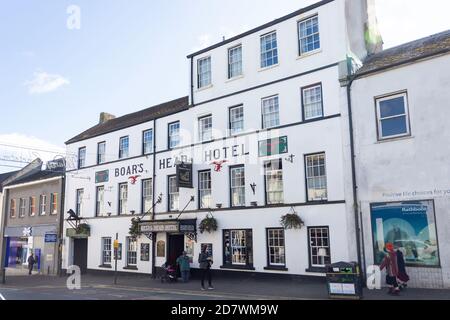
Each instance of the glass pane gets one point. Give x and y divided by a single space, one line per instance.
394 126
392 107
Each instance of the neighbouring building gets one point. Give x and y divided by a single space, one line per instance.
400 103
264 133
32 218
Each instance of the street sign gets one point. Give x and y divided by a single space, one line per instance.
116 244
51 237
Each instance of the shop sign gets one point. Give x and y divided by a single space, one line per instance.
102 176
27 231
273 146
184 175
51 237
188 226
160 226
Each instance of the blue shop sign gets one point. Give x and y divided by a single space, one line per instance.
51 237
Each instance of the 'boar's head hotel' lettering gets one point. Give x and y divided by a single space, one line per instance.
129 170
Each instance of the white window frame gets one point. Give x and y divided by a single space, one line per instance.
79 202
32 206
147 141
263 58
275 173
232 112
205 128
101 152
317 246
22 207
237 189
173 134
313 180
204 189
266 104
53 203
81 157
123 198
204 76
174 194
42 204
300 38
124 147
306 105
100 201
106 251
131 252
378 100
238 241
234 65
279 250
147 194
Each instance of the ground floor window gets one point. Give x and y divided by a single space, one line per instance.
410 226
238 247
106 250
319 246
276 255
131 252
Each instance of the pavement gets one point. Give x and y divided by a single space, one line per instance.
143 287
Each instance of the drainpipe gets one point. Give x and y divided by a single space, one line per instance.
153 199
352 78
2 235
61 224
192 81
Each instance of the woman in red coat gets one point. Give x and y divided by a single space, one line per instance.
390 263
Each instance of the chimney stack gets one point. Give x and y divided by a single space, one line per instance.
104 117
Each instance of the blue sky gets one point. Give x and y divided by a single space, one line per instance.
129 55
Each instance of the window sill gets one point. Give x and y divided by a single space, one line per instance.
234 78
308 54
316 270
130 268
276 268
209 86
106 266
236 267
400 138
269 67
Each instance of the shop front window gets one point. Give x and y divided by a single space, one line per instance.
238 248
410 226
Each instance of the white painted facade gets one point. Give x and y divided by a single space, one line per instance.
340 36
414 167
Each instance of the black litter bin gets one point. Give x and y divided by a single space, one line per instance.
343 281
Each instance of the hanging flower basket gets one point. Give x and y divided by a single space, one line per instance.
292 220
134 231
209 224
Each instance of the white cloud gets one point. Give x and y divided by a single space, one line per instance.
44 82
16 150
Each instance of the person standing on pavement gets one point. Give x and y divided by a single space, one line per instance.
184 264
205 261
390 263
31 261
402 276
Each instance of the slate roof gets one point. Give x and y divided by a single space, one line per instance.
40 175
412 51
133 119
4 176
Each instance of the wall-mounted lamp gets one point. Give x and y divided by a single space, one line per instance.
290 158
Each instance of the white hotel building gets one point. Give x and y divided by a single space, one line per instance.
266 129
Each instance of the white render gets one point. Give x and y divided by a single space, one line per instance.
341 36
388 170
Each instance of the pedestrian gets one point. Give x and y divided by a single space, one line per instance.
184 264
402 276
31 261
205 261
390 263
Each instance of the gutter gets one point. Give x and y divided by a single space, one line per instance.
26 184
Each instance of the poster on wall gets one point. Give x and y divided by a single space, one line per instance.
145 252
410 227
189 248
160 249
